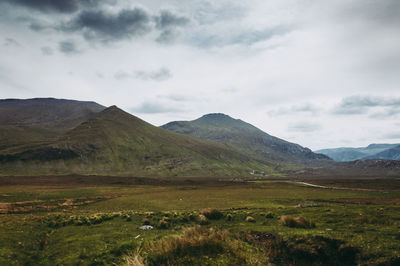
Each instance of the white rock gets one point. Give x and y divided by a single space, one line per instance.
146 227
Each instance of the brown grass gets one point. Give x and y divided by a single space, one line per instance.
212 214
298 222
250 219
192 246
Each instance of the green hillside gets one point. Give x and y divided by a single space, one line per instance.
247 138
114 142
40 119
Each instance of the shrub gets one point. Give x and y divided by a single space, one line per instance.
202 219
250 219
212 214
298 222
146 221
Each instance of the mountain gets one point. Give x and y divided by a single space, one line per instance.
114 142
389 154
351 154
246 138
41 119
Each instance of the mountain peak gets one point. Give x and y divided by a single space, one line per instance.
216 116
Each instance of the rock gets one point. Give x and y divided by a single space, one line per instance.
146 227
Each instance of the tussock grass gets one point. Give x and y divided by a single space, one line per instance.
298 222
194 246
212 214
203 219
250 219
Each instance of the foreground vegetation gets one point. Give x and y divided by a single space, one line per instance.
282 223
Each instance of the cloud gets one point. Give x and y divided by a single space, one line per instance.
11 42
167 20
156 75
68 47
304 127
155 108
294 109
394 135
362 104
105 26
57 6
62 6
46 50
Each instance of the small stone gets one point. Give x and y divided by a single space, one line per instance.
146 227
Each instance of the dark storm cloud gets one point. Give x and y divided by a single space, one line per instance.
59 6
361 104
67 47
304 127
155 108
104 26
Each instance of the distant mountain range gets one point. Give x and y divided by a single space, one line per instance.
246 138
47 136
52 136
372 151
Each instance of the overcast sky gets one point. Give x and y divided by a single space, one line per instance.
318 73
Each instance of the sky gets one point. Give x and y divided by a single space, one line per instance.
321 74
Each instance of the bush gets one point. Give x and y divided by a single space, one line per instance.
298 222
250 219
146 221
202 219
269 215
212 214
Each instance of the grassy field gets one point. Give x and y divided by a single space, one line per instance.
240 223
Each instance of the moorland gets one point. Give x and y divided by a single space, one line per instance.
78 181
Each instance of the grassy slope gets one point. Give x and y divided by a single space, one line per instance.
42 119
117 143
246 138
29 237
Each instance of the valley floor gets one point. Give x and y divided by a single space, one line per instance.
80 220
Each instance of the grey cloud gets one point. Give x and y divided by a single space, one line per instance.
62 6
167 36
154 108
394 135
386 113
57 6
104 26
68 47
304 108
47 50
156 75
167 19
243 37
304 127
168 23
11 42
361 104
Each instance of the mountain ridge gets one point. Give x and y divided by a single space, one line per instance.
244 137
